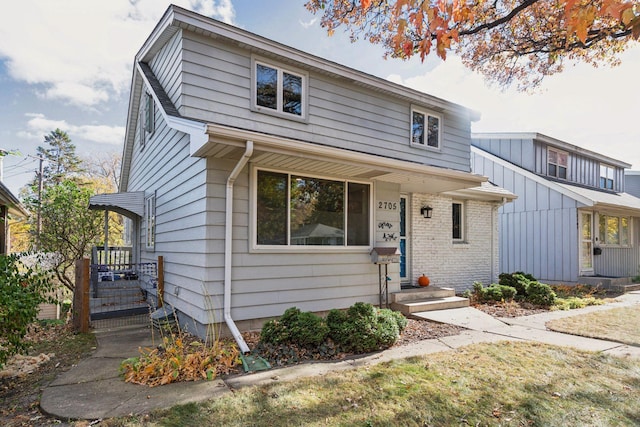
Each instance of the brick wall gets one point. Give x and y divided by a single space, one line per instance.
449 263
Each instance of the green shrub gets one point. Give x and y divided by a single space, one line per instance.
540 294
22 289
518 280
364 328
295 327
493 292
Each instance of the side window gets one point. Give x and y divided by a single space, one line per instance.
150 222
426 128
146 119
279 91
457 210
614 230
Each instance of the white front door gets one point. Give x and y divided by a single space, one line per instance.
586 243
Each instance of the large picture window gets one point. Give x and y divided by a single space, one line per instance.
425 129
279 91
614 230
297 210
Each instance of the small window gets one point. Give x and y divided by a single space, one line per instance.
279 91
458 221
557 162
150 221
607 174
425 129
614 230
149 114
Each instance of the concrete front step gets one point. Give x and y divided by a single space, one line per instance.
430 304
422 294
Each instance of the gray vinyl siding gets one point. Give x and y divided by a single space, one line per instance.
165 168
167 67
266 283
538 231
216 87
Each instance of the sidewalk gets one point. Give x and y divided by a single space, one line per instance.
93 389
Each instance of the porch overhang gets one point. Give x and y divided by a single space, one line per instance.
618 203
129 204
277 152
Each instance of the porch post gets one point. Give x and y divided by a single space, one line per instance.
106 237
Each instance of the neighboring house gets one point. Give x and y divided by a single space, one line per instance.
632 182
9 206
265 176
572 219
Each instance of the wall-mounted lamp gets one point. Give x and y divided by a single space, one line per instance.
426 211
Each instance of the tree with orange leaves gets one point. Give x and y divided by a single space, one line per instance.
508 41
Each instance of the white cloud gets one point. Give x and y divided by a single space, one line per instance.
81 51
222 10
39 126
308 24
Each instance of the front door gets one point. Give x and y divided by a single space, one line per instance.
586 243
404 243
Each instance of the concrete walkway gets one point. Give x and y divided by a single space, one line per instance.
93 389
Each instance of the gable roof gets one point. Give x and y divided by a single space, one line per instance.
176 18
586 196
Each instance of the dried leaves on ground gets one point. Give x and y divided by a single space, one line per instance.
55 349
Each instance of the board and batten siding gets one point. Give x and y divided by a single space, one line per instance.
216 88
620 261
538 230
532 155
632 183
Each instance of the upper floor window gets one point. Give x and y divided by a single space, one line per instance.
607 174
296 210
458 221
425 129
557 162
279 91
146 120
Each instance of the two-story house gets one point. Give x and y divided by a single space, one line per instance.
572 221
265 176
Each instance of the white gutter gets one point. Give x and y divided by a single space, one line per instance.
228 247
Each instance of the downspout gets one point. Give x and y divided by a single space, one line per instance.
228 246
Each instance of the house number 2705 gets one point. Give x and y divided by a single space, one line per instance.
388 206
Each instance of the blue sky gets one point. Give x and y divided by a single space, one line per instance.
67 64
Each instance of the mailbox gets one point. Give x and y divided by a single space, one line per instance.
385 255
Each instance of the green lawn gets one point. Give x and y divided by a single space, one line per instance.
618 324
499 384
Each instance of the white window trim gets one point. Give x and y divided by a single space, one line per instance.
557 164
426 113
614 245
304 116
613 180
463 230
150 222
302 248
